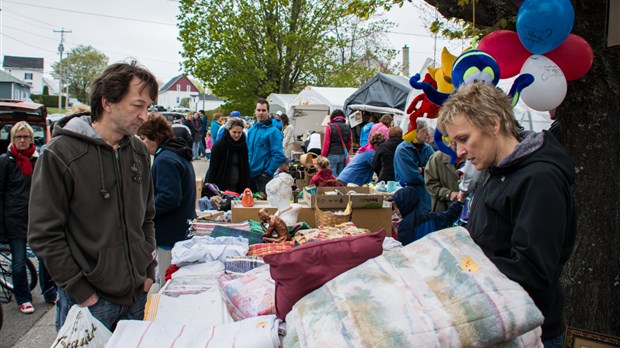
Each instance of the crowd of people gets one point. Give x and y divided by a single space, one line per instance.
116 215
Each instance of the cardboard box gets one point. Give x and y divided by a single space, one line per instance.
372 219
363 197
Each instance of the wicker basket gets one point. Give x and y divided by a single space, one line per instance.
328 218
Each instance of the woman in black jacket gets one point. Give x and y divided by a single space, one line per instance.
383 163
229 168
16 167
523 212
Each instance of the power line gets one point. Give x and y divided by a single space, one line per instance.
36 22
25 43
28 32
92 14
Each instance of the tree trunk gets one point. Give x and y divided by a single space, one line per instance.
590 117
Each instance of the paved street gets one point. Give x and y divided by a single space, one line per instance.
37 329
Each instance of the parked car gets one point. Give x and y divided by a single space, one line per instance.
73 101
180 109
157 108
13 111
173 117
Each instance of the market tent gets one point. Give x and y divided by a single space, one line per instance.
280 102
381 90
332 97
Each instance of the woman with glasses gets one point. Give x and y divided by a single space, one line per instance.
16 167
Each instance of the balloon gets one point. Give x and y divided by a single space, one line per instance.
549 87
507 49
574 56
543 25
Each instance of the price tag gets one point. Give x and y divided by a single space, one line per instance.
469 265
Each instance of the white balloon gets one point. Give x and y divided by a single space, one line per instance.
549 87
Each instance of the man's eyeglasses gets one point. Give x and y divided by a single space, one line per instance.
23 137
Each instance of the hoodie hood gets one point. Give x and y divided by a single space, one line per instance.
177 146
537 147
407 200
77 125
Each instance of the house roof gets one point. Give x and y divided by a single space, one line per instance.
6 77
22 62
207 97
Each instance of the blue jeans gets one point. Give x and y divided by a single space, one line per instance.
336 163
198 148
48 287
556 342
21 287
105 311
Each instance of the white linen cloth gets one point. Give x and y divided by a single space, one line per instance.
206 248
257 332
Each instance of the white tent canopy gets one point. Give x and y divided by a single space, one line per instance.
333 97
280 102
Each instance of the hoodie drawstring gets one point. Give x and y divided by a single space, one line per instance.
103 192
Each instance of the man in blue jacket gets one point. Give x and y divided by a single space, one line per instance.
409 162
264 147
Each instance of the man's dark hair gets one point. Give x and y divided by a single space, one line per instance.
113 85
263 101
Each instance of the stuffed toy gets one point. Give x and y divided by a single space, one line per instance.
470 67
426 109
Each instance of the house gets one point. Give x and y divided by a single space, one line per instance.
12 87
26 69
205 102
175 90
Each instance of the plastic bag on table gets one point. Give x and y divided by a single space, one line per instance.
81 329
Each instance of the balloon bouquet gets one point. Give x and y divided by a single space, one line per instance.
544 48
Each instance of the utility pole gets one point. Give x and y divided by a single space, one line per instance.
61 48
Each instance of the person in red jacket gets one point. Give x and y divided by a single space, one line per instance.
324 173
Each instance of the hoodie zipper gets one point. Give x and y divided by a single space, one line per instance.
121 206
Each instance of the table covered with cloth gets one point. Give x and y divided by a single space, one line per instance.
440 291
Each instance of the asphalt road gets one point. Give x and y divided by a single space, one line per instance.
36 329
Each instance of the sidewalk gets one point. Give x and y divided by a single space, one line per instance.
42 334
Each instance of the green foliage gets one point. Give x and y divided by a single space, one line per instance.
82 64
47 100
244 50
185 102
46 90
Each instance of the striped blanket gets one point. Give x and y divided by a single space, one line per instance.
440 291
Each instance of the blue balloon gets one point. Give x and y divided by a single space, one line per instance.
543 25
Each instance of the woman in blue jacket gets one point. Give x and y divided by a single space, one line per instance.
360 170
174 181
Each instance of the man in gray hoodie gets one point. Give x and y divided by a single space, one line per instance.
91 209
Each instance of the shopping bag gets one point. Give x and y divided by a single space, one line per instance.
81 329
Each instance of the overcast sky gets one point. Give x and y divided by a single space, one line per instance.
146 30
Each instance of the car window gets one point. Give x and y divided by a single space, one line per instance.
5 136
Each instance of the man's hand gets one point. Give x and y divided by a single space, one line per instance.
91 300
148 282
462 196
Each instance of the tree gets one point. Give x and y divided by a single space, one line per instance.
243 50
82 64
590 117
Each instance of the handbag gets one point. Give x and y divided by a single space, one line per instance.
346 151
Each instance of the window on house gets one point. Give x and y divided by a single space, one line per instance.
178 100
178 88
27 76
189 88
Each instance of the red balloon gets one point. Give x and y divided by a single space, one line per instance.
508 51
574 56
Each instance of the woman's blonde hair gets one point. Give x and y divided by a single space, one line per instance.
482 105
322 162
21 125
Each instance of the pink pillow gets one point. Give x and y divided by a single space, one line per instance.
301 270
